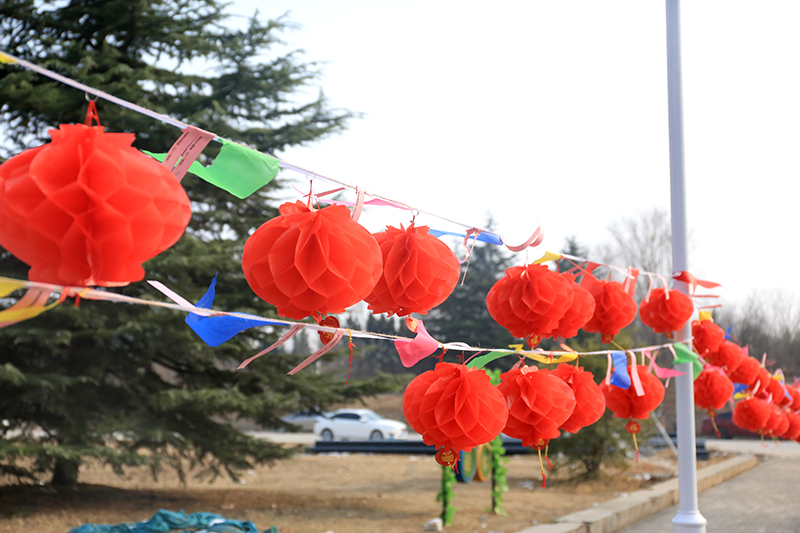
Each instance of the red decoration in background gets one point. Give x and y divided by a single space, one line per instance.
530 301
454 407
746 372
331 322
666 311
614 310
751 414
775 425
728 356
538 404
794 426
712 389
590 403
625 403
578 314
706 336
88 208
306 262
795 398
760 383
419 272
773 387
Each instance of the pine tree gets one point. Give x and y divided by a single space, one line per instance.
130 385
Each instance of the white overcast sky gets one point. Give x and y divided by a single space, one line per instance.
557 110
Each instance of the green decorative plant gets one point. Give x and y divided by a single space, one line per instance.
446 495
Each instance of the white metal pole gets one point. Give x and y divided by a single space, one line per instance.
688 519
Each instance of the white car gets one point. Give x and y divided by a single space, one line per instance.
304 419
359 424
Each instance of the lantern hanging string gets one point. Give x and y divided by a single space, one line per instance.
94 294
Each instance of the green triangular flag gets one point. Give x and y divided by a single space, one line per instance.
483 360
685 355
237 169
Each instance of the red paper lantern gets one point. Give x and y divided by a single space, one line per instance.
666 311
794 426
578 314
530 301
751 414
775 425
419 272
538 404
783 425
773 388
88 208
590 403
760 383
728 356
746 372
614 309
712 389
625 403
306 262
795 398
706 336
454 407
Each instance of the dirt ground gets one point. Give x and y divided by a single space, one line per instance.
339 493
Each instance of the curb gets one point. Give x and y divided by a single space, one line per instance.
618 513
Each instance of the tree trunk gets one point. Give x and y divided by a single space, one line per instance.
65 472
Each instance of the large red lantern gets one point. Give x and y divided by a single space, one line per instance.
626 403
590 403
712 389
311 261
530 301
614 309
538 404
454 408
578 314
666 311
747 372
419 272
88 208
751 414
728 356
706 336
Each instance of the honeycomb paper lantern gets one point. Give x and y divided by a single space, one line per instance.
579 312
419 272
666 311
712 389
760 383
625 403
88 208
530 301
751 414
614 309
793 432
306 262
728 356
747 371
454 407
795 398
773 388
706 336
590 403
538 404
775 425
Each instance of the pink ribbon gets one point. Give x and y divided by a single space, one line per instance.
413 351
316 355
288 335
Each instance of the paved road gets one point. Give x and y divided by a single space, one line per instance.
769 448
762 500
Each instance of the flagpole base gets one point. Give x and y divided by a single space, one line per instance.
691 522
